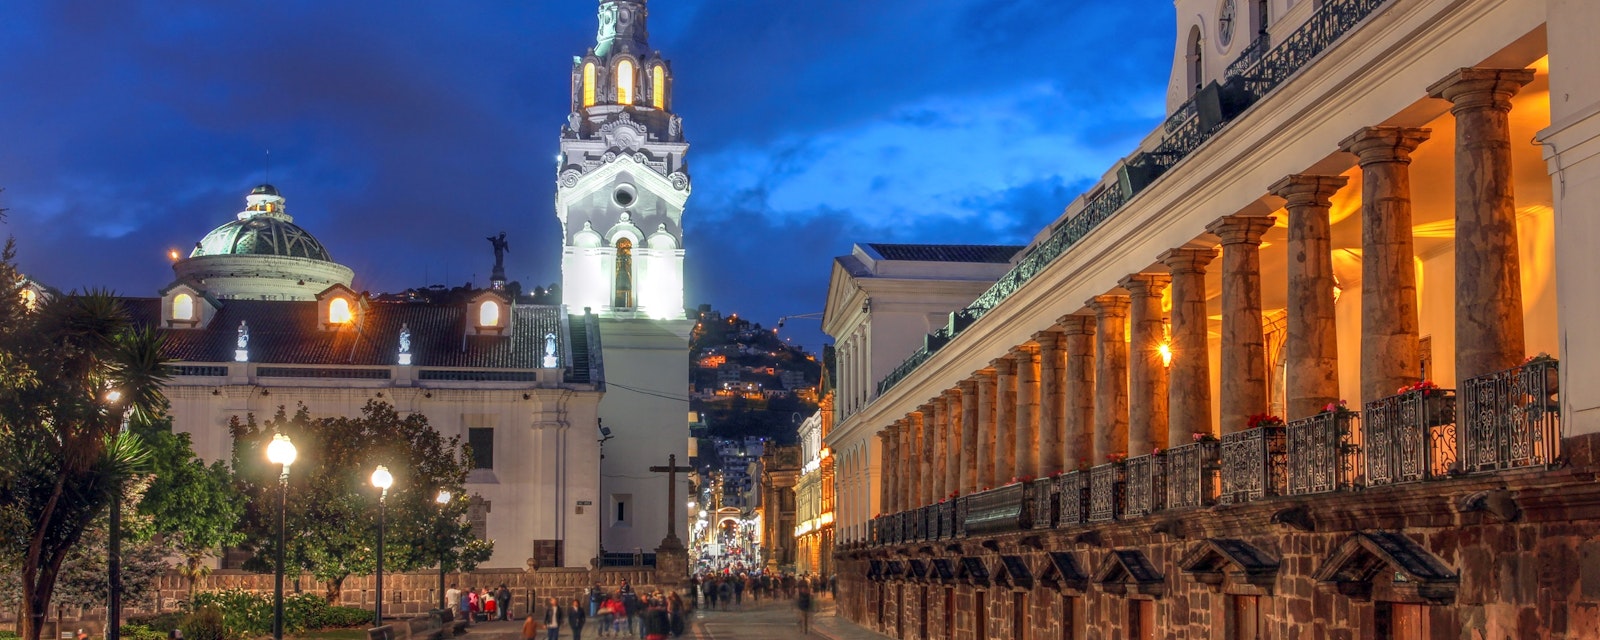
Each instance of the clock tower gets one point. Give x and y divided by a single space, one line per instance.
621 181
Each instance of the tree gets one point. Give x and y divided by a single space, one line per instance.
333 510
62 450
191 507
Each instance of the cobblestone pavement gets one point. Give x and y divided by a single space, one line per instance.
774 620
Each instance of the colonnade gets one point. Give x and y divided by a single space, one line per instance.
1097 383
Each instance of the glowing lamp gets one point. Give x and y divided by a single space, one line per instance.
113 396
172 254
381 478
281 450
444 497
1166 354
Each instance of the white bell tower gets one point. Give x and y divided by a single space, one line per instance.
621 181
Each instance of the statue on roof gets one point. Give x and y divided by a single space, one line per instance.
405 338
500 247
244 335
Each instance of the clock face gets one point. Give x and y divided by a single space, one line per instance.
1225 20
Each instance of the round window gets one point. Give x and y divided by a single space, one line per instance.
623 196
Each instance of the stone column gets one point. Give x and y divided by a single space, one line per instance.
971 450
955 456
1311 345
1489 334
986 431
923 419
941 452
1005 419
1244 350
1110 376
908 476
1026 456
1147 372
1051 403
1189 376
886 462
1390 348
1077 338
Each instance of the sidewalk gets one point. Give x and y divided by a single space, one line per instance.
835 627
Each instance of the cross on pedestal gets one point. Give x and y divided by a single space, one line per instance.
672 469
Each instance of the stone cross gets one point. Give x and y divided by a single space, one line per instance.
672 469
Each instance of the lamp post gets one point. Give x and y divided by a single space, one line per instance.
443 500
114 545
382 480
280 451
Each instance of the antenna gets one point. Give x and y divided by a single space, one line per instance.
269 167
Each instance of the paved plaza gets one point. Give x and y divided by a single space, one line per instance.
769 620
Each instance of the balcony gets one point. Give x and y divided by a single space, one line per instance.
1072 490
1106 487
1192 474
1410 437
1046 503
1324 453
1514 418
1254 464
999 510
1146 485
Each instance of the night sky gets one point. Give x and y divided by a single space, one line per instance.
403 133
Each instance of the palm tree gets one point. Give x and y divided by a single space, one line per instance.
73 368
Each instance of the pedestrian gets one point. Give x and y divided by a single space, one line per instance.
655 624
503 599
552 619
619 614
491 606
530 627
675 614
576 616
474 604
633 607
607 617
464 606
738 591
802 602
452 600
596 597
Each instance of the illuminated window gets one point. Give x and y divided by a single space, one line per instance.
625 82
183 307
588 84
489 314
338 311
622 297
30 299
658 87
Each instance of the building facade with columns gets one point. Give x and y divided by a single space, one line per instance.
1295 367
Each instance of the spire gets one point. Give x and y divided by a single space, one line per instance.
622 22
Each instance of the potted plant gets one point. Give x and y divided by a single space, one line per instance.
1260 420
1552 376
1204 437
1438 408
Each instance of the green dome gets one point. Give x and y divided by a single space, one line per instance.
262 236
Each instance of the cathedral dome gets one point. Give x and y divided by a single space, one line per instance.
263 228
262 254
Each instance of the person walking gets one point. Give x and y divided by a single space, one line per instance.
576 616
452 601
503 599
654 623
597 596
632 607
802 602
464 606
552 619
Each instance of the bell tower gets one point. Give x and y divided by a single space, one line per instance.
621 179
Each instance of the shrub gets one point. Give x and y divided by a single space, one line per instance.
132 631
204 623
248 614
8 635
162 622
344 618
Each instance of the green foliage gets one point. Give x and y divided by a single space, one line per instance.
192 506
332 508
246 614
141 632
162 622
205 623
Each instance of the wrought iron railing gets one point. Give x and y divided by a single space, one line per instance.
1253 464
1046 508
1147 485
1072 493
1324 453
1247 58
961 517
1321 30
1192 474
998 510
1180 115
1106 492
1513 418
946 514
1410 437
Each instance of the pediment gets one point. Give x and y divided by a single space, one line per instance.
942 570
1013 571
1213 559
875 570
1353 565
916 570
1124 568
1063 572
972 571
894 569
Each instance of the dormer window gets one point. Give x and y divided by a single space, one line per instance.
183 307
339 311
489 314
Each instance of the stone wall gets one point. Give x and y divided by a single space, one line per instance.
1519 554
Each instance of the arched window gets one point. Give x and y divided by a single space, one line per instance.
588 84
338 311
622 297
183 307
489 314
658 87
1261 18
1196 60
625 82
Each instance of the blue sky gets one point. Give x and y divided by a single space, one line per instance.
402 133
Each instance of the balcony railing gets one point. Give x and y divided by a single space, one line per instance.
1192 474
999 510
1247 58
1326 25
1106 492
1147 485
1514 418
1410 437
1253 464
1072 493
1046 508
1324 453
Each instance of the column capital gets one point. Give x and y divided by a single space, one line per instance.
1049 340
968 386
1240 229
951 394
1109 305
1004 365
1308 190
983 375
1477 87
1024 349
1384 144
1143 285
1076 324
1188 259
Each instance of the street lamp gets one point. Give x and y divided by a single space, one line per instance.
114 544
382 480
444 500
280 451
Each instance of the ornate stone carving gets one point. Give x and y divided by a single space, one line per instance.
680 180
623 133
569 178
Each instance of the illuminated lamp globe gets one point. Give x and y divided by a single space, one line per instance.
113 396
381 478
444 497
281 450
